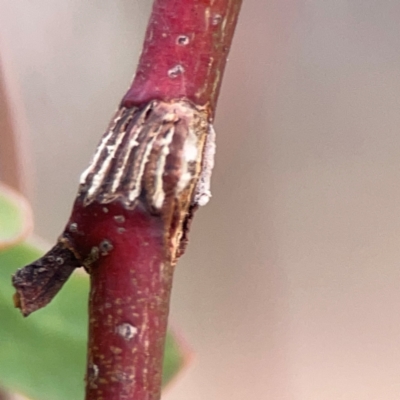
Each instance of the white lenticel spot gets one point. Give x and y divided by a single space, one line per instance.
73 227
175 71
59 260
120 219
94 371
105 247
127 331
182 40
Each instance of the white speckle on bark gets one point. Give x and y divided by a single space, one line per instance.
105 247
59 260
127 331
182 40
73 227
93 373
175 71
120 219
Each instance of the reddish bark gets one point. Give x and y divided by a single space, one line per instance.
128 299
132 249
136 199
185 51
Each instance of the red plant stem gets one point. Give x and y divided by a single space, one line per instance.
130 221
128 300
135 251
185 51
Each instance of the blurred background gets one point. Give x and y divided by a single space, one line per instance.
289 289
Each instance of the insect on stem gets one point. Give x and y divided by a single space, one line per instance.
130 220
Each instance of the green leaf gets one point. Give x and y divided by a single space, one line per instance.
44 356
15 217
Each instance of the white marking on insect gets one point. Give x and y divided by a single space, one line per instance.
136 184
203 192
102 145
159 194
132 144
137 157
99 177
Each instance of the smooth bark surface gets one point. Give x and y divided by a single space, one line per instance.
129 297
185 51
